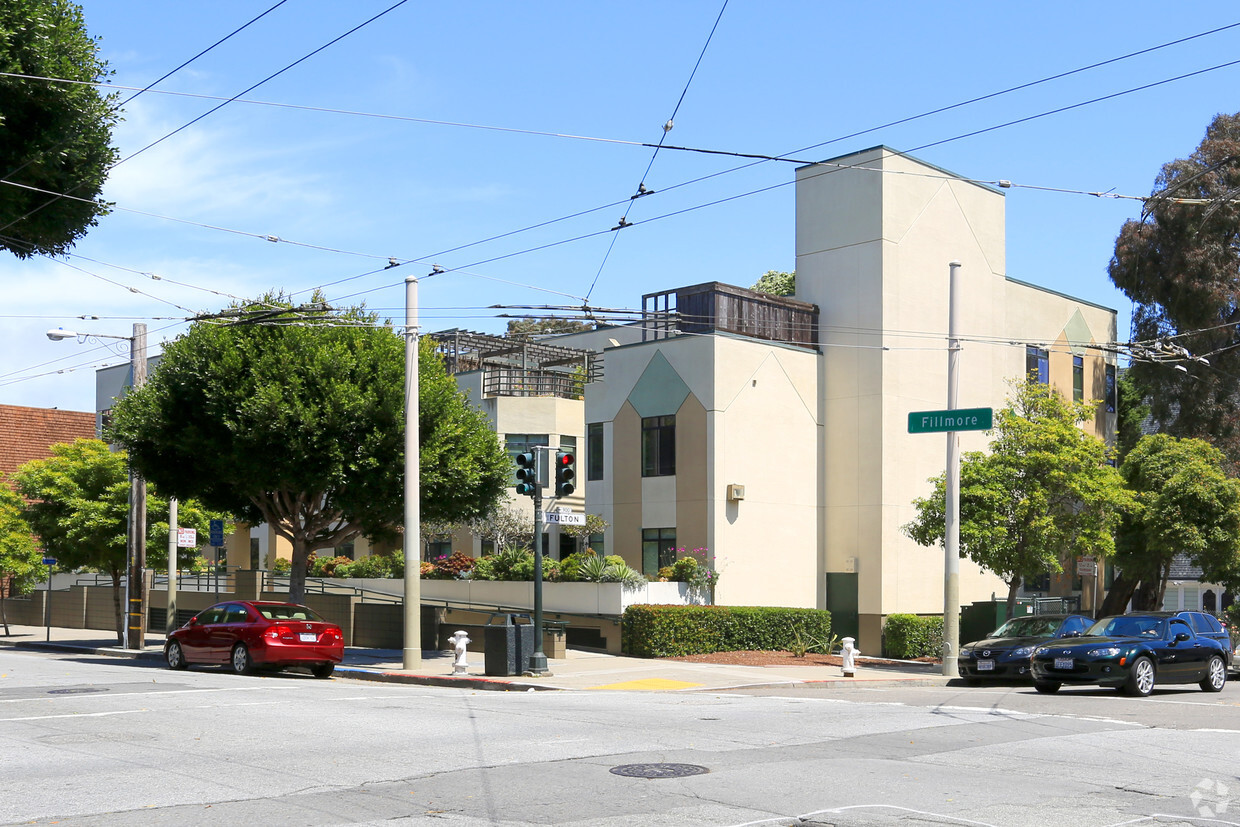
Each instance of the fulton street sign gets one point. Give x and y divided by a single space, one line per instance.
961 419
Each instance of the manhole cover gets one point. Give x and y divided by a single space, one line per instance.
658 770
76 690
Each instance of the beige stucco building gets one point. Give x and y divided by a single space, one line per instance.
789 457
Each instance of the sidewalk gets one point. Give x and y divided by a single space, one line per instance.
580 670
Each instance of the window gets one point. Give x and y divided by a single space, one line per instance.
520 443
1075 624
345 550
594 451
568 544
1037 365
1078 378
658 446
1110 389
438 546
658 549
598 544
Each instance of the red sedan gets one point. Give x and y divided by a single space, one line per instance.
248 635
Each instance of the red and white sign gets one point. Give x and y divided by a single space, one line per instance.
187 538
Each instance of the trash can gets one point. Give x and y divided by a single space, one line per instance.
507 648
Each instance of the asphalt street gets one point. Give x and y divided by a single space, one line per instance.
97 741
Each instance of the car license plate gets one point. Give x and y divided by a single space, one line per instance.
1063 663
308 637
985 665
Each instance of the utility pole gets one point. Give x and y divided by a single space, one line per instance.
951 544
413 468
170 619
136 552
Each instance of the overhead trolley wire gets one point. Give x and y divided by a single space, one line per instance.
667 127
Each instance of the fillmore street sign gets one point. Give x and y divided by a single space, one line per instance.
961 419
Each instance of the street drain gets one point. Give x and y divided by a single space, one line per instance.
76 690
658 770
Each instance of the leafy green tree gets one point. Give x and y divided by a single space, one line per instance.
1042 495
1178 264
1184 502
546 325
777 283
78 506
1133 409
56 135
21 562
302 426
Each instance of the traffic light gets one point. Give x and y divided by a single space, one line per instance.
527 473
564 474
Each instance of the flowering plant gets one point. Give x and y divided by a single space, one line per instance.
693 567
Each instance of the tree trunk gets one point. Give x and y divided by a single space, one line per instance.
1013 587
118 608
4 615
1120 593
1146 598
297 572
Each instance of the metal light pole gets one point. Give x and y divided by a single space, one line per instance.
136 542
951 544
413 507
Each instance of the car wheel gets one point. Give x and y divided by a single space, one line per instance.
241 663
1046 687
323 670
1216 675
1140 678
174 656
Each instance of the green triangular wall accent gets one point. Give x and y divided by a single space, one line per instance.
660 391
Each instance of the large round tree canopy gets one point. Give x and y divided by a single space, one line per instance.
55 127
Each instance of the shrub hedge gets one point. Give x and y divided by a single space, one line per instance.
648 631
911 636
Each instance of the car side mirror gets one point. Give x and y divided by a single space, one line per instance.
1071 634
1182 636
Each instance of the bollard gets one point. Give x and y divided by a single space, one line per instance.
848 654
459 641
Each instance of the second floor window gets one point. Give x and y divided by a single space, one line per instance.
1078 378
594 451
1037 365
658 446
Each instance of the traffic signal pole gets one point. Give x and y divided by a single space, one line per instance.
538 660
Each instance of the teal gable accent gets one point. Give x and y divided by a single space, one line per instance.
1078 334
660 391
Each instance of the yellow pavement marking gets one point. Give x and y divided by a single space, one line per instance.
648 683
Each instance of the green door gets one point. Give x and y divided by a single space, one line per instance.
842 603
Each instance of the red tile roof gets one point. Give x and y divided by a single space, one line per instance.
28 433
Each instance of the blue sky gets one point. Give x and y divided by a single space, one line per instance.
408 180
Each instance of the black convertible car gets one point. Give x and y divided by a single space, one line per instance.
1131 652
1005 653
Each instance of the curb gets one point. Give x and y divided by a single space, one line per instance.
487 684
73 649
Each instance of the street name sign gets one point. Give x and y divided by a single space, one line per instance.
960 419
563 518
49 561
